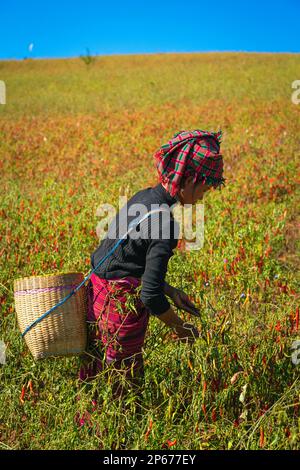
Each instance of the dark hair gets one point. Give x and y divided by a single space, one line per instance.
211 181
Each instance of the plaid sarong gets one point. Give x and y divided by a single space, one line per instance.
190 153
118 322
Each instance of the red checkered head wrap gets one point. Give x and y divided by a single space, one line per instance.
188 153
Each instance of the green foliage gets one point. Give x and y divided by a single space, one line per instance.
78 140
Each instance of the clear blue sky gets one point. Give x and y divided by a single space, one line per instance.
67 28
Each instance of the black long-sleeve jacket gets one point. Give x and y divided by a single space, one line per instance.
145 253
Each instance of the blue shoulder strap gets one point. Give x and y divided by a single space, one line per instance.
131 226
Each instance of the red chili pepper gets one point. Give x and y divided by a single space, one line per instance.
171 443
283 288
235 356
232 270
260 264
268 251
242 252
95 405
29 385
278 326
149 429
261 438
22 394
181 245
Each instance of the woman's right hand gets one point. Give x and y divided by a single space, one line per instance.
187 332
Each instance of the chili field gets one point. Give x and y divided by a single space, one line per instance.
74 136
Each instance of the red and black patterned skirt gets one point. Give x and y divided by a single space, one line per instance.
117 323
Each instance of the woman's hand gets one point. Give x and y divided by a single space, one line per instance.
187 332
184 331
182 301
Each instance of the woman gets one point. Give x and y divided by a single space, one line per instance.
130 285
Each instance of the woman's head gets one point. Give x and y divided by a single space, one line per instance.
190 163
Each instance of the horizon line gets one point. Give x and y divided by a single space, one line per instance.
148 53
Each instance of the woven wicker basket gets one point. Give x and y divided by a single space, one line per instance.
63 332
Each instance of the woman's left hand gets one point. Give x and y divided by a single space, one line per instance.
182 301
